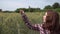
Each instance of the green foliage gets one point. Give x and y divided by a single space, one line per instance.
48 7
34 9
27 9
57 9
56 5
7 11
0 10
12 23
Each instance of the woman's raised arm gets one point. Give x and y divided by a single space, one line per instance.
27 22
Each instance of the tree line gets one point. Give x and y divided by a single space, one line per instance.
55 6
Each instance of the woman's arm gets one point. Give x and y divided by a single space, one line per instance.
27 22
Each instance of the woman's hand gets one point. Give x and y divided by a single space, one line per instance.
21 11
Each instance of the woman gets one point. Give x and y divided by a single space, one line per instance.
50 23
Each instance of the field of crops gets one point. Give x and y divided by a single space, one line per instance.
12 23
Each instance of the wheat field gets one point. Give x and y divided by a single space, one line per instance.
12 23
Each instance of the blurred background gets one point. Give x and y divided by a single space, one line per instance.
11 21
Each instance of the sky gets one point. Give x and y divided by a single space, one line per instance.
14 4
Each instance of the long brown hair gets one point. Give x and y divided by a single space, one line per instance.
53 22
